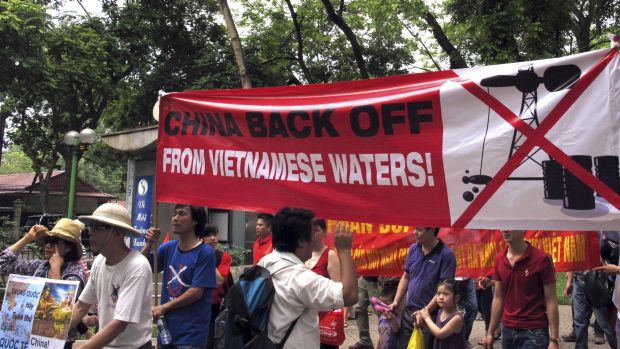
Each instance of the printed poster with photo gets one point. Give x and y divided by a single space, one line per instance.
36 312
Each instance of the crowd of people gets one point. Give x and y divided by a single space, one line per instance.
517 302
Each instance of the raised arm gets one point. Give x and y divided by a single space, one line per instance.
11 264
343 240
26 239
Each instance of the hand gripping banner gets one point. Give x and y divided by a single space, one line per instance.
531 145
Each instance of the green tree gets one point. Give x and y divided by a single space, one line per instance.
297 42
100 168
15 161
170 46
495 31
22 30
79 68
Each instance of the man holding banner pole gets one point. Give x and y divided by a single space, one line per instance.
188 265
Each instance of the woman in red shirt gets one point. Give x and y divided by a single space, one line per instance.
324 261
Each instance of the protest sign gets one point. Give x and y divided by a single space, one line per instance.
529 145
381 249
36 312
141 210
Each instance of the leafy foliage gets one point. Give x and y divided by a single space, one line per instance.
237 254
492 31
22 29
105 72
169 46
15 161
272 47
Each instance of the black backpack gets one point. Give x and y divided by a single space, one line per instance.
597 288
610 246
244 317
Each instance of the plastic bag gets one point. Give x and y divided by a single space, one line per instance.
331 325
417 339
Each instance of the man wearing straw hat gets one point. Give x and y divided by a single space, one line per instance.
120 283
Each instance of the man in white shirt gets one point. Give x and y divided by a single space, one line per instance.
120 283
301 293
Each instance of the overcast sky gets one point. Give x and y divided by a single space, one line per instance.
92 6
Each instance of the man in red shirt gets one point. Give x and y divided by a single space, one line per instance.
524 296
262 245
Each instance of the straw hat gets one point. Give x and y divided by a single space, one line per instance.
65 229
80 224
114 215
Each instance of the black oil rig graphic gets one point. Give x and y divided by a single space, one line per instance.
559 183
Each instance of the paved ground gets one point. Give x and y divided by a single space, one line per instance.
478 331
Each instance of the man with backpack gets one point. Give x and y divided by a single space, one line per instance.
299 292
188 265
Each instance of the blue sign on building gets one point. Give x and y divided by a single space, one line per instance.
141 211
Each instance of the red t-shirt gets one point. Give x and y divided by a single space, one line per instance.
261 248
321 265
524 296
224 269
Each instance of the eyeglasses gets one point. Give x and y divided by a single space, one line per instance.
50 240
99 226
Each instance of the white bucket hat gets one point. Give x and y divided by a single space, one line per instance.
114 215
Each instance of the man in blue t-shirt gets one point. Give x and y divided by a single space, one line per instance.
189 278
428 262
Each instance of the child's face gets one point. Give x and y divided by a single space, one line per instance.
445 297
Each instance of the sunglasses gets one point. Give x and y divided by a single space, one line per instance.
50 240
99 226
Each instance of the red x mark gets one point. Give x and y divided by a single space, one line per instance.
536 137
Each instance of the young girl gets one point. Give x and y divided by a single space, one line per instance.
448 329
388 321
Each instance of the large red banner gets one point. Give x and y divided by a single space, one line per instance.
440 149
381 249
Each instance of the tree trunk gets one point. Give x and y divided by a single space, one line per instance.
3 118
583 23
300 43
357 49
43 193
456 59
236 44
